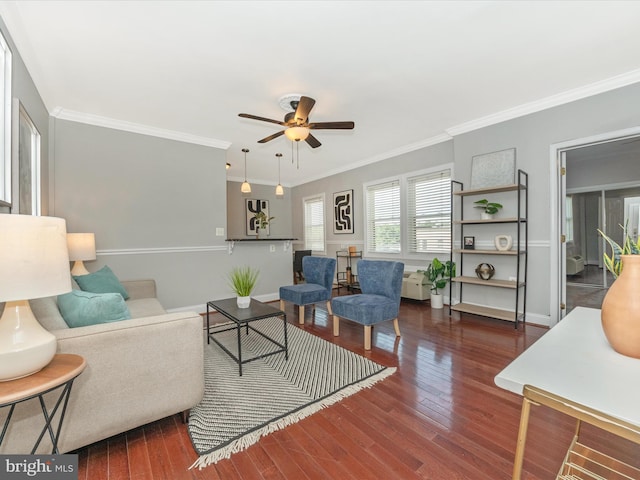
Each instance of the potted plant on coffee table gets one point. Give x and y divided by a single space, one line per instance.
242 281
439 274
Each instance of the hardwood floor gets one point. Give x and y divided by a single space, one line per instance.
440 416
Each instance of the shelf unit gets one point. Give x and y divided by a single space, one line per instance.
342 277
518 253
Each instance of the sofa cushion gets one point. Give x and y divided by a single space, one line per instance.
102 281
145 307
47 313
80 308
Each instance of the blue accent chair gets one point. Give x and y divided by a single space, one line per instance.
319 273
381 285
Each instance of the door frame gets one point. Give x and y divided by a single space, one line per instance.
557 183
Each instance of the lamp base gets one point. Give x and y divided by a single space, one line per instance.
25 346
79 268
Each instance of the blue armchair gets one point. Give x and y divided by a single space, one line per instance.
319 273
381 285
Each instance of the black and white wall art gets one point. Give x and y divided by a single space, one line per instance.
343 212
254 206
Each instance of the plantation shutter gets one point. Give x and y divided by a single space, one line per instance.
383 217
314 224
429 212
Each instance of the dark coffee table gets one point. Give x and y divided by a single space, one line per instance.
242 317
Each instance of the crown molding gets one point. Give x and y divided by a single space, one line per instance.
412 147
99 121
585 91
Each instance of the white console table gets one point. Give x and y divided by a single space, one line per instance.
573 369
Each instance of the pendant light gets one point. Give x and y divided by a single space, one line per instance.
245 188
279 189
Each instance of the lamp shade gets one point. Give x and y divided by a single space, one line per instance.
296 133
34 262
82 246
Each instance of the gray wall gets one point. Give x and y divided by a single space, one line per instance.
435 155
532 136
280 208
155 206
25 91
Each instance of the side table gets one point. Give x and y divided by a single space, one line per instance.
59 374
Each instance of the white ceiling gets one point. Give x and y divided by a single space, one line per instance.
408 73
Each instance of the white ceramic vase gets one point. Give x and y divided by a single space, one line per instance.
243 302
486 216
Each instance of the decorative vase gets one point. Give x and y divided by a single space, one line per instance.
486 216
243 302
503 243
621 309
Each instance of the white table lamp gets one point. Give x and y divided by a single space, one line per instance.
34 263
82 246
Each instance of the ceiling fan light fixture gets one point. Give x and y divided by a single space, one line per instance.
295 134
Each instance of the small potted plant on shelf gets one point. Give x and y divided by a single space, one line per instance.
242 281
263 221
489 209
439 274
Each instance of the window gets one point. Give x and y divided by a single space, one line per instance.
569 218
5 123
314 223
409 214
383 217
429 212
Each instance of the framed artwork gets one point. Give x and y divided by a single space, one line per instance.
469 243
28 195
343 212
254 206
493 169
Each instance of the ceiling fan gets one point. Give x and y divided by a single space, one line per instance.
297 121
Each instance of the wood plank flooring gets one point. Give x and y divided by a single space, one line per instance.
440 416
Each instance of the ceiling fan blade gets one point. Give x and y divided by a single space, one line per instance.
332 125
304 107
313 141
263 119
271 137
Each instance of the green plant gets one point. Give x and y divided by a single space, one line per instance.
242 280
439 273
262 219
489 207
613 262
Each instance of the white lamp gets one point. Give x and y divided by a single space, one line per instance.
279 188
34 263
245 187
295 134
82 246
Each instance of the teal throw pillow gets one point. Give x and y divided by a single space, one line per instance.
80 309
102 281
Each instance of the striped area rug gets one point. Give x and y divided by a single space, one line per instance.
237 411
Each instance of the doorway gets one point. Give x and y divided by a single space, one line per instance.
598 185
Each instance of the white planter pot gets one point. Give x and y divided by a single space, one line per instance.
243 302
486 216
437 301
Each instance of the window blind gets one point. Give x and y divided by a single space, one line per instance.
314 224
383 217
429 212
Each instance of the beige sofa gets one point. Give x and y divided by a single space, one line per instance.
138 371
